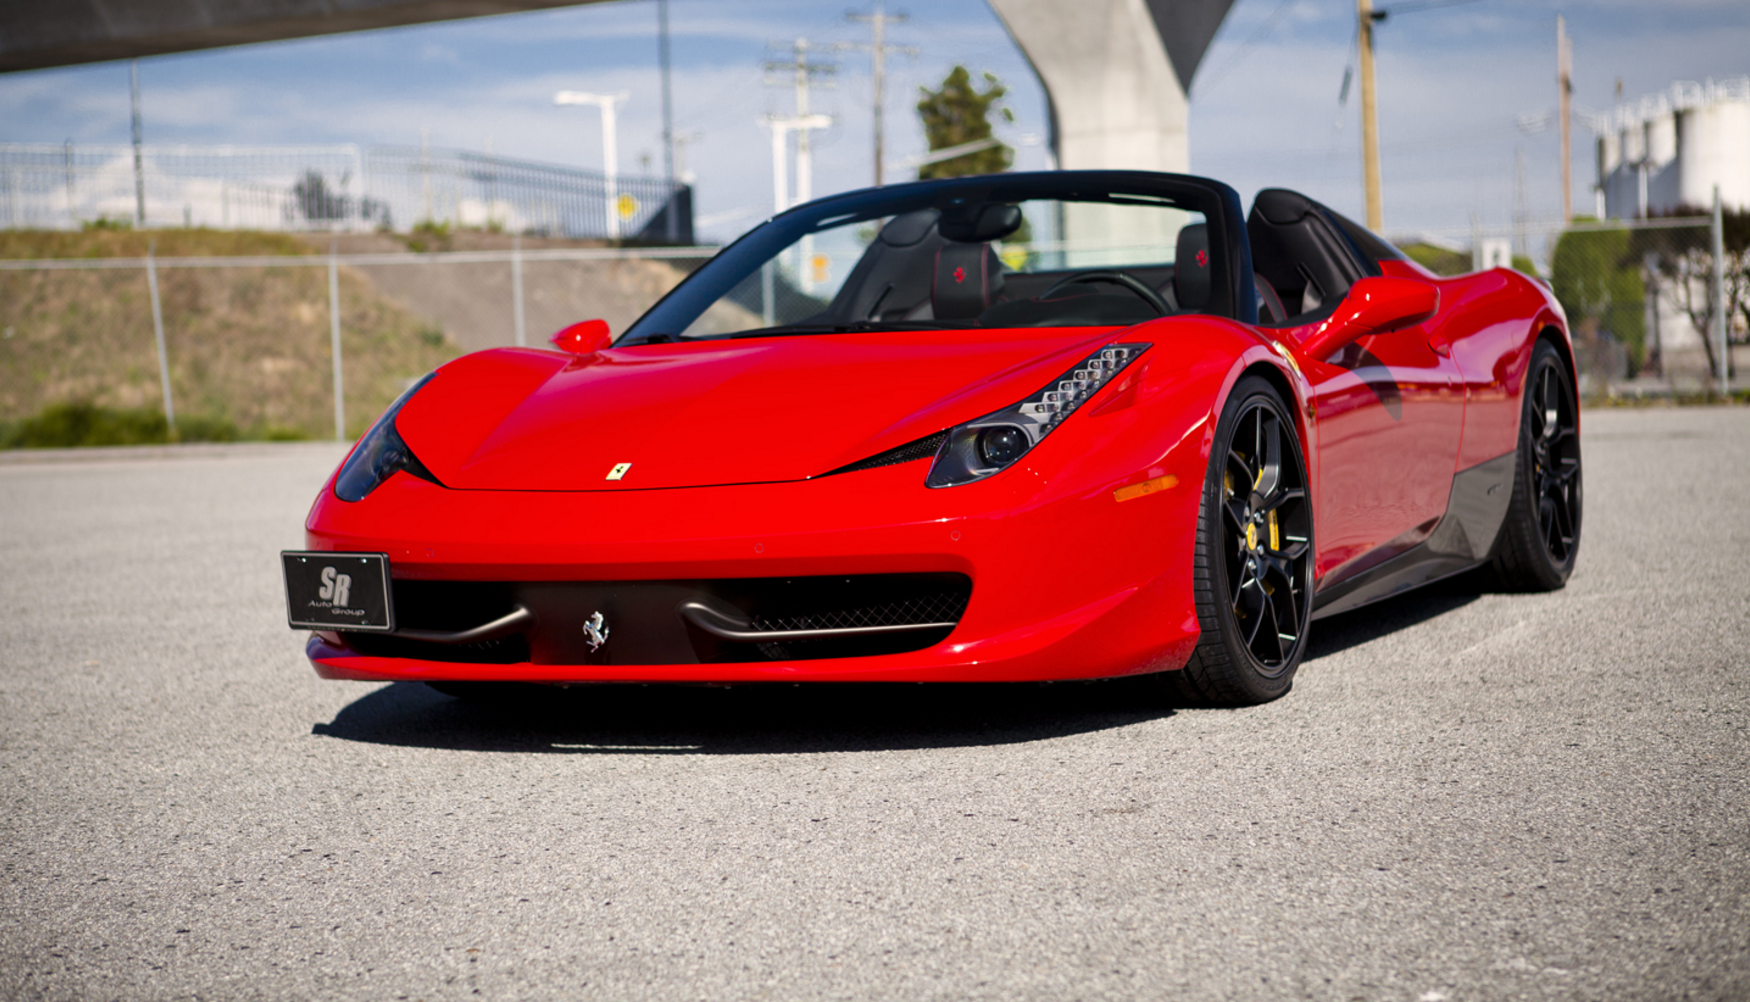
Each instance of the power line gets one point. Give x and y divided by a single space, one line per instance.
1417 5
1246 48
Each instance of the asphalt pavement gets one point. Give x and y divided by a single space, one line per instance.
1466 796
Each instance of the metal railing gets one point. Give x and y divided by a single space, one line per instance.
315 344
1649 311
342 187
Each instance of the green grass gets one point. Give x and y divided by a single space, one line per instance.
1688 398
81 423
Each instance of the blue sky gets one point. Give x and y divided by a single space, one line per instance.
1453 82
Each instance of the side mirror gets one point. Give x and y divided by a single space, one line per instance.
584 337
1373 305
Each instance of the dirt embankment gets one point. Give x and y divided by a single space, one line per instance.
250 345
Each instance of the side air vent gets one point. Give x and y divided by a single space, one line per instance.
893 457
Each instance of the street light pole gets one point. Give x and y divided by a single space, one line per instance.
1716 234
139 166
781 128
610 149
1565 93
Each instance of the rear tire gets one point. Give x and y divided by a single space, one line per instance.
1252 569
1541 534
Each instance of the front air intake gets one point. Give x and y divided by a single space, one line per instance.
923 448
725 620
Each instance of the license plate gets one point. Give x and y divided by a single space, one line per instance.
338 591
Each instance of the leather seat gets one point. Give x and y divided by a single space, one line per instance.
1269 303
1191 281
967 280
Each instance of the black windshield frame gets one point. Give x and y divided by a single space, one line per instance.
1220 205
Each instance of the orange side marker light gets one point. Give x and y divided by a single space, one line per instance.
1147 487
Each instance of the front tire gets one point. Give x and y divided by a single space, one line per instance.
1541 535
1252 570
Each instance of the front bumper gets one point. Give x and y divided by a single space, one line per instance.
1067 582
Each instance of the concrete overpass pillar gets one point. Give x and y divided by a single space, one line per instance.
1116 101
1116 75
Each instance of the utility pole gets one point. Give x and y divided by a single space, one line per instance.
139 165
878 49
610 147
802 74
671 224
1565 87
1369 117
662 57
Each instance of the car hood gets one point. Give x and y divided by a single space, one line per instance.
754 410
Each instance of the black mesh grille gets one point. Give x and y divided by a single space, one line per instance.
501 651
941 607
893 457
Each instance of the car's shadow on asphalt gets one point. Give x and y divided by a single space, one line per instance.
1351 629
743 719
779 718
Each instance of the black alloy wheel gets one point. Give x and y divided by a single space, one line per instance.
1541 535
1253 570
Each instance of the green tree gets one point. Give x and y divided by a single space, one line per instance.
960 113
1438 260
1597 279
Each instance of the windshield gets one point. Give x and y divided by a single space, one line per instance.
1012 251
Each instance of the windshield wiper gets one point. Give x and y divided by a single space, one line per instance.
647 339
855 326
796 330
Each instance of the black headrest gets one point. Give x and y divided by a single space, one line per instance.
1191 263
908 228
1281 206
968 278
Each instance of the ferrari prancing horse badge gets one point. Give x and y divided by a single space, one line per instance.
619 471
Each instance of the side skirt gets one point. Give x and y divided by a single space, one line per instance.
1464 539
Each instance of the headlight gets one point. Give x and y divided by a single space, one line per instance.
993 443
380 453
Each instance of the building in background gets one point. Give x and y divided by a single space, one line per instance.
1670 149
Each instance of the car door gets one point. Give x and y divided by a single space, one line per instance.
1390 413
1388 408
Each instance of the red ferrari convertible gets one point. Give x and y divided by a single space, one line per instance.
1017 427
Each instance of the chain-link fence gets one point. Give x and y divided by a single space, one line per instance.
264 334
345 187
287 342
1642 296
